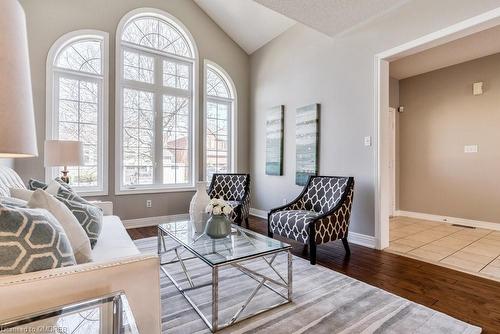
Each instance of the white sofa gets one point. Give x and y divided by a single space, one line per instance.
117 266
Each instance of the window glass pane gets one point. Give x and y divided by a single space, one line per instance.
175 75
78 106
158 34
138 137
217 138
81 56
176 140
216 85
138 67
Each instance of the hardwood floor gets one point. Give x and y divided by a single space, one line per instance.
463 296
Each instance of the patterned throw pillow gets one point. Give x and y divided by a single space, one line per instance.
55 188
89 216
31 240
34 184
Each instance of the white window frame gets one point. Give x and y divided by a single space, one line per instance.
52 86
233 102
120 189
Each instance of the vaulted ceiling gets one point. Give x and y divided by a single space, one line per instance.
253 23
248 23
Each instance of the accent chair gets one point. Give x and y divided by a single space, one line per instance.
234 189
320 214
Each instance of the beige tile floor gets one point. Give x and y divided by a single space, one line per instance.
472 250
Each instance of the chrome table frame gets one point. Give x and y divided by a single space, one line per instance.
263 280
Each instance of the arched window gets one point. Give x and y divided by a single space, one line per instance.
77 89
220 102
156 66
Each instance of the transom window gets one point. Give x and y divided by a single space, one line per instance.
76 107
156 103
219 131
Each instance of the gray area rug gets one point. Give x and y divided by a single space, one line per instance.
324 301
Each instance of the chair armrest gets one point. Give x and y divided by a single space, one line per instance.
137 276
105 206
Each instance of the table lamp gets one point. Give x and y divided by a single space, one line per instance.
63 153
17 119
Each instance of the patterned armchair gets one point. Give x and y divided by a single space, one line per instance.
320 214
234 189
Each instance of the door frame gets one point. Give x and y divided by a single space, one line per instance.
392 159
464 28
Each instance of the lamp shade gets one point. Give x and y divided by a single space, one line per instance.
17 119
63 153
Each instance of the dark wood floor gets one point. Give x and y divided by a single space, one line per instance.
466 297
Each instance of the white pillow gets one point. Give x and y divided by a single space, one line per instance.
21 193
75 232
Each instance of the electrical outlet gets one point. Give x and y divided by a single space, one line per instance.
284 201
470 149
149 203
367 141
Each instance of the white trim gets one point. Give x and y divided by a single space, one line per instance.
258 213
58 45
448 220
234 115
381 91
153 221
362 240
193 94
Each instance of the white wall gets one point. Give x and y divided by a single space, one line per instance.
303 66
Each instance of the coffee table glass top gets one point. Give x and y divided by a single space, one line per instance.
241 244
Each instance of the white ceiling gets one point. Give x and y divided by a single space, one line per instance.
474 46
248 23
332 16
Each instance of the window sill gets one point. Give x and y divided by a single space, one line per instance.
90 193
119 192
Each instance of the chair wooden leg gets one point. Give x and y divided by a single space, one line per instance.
312 252
247 223
270 234
346 246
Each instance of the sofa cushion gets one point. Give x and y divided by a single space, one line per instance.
293 224
89 217
114 241
75 232
13 202
31 240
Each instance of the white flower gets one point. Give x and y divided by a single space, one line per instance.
216 211
209 208
213 201
227 210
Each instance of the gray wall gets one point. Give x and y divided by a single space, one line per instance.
7 163
441 116
47 20
303 66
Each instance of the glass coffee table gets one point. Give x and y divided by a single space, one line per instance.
240 249
107 314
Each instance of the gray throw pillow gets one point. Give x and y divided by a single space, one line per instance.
31 240
89 216
34 184
56 188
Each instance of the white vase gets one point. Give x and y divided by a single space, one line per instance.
197 207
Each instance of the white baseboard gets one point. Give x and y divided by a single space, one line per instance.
355 238
153 221
258 213
449 220
362 240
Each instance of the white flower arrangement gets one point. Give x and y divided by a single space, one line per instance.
217 206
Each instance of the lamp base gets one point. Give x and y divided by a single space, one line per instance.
65 176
